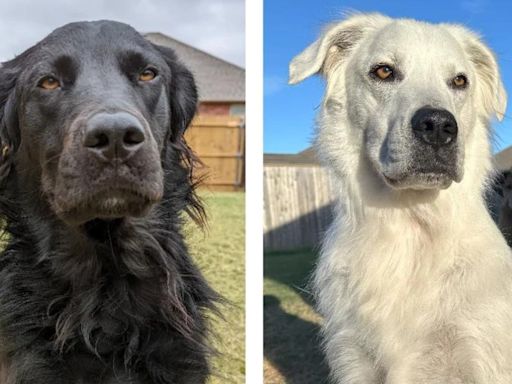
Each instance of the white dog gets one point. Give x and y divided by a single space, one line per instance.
414 279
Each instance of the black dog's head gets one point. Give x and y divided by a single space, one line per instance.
87 116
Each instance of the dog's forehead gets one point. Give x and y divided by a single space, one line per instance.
88 44
410 38
91 35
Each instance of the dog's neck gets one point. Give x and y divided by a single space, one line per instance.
373 206
126 261
110 278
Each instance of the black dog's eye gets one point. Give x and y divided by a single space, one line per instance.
49 83
383 72
147 74
459 82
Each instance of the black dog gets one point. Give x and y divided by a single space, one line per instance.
96 285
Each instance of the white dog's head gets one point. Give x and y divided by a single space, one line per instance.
406 94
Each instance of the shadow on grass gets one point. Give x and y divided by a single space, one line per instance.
293 348
292 341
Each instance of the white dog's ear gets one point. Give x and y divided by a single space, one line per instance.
334 43
489 87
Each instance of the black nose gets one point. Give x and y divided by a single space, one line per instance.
113 135
436 127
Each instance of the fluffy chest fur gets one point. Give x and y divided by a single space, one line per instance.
405 288
129 305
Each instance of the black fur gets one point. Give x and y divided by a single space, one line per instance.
106 301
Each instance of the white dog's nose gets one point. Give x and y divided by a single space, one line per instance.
435 127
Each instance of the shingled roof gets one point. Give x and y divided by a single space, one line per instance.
217 80
306 157
503 159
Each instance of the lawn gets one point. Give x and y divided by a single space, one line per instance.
220 254
292 344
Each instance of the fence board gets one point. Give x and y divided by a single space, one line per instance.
219 143
297 202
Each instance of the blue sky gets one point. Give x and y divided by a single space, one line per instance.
291 25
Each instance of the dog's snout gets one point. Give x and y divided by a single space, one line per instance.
113 135
436 127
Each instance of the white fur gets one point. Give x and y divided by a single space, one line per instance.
415 285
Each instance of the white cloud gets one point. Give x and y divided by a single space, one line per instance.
273 84
473 6
215 26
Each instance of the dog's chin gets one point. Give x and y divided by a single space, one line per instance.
109 205
421 181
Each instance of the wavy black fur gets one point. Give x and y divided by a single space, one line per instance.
116 301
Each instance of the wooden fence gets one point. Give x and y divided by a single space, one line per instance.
298 206
219 141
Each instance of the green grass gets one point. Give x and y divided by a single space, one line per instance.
220 254
292 344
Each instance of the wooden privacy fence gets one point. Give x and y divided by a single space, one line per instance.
219 141
298 206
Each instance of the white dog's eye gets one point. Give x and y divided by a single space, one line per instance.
383 72
459 82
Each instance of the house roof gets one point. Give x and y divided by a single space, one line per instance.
503 159
306 157
216 79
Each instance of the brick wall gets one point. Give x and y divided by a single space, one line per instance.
214 109
221 109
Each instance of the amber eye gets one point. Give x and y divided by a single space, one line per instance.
49 83
383 72
460 81
147 75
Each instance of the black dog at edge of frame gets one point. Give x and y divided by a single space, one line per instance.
96 284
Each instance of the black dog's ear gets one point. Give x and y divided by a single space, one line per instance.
182 93
183 104
9 136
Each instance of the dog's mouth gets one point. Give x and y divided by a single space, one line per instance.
422 171
419 181
115 203
423 179
111 204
